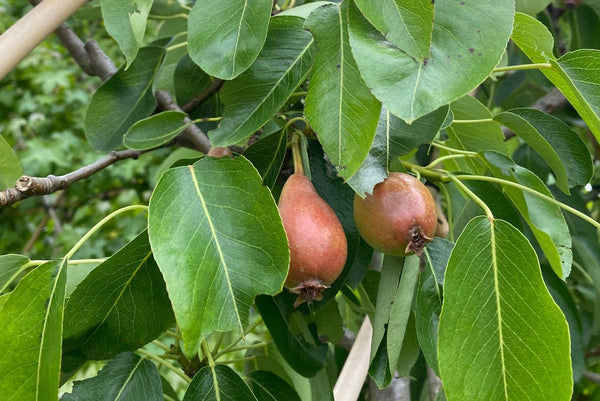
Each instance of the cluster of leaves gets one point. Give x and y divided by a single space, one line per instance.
376 86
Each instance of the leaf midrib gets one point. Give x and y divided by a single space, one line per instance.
126 382
213 233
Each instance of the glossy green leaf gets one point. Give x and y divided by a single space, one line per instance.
575 74
126 21
31 322
555 141
501 336
120 306
252 98
122 100
267 155
464 44
545 219
304 358
428 299
217 221
400 310
220 383
224 37
339 106
267 386
9 268
155 130
10 166
394 137
127 377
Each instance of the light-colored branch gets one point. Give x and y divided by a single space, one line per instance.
25 34
355 369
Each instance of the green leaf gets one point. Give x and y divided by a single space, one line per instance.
126 21
409 26
120 306
386 293
303 357
393 138
465 44
545 219
217 221
304 10
476 136
585 27
155 130
400 310
339 106
10 166
252 98
127 377
428 300
575 74
410 351
555 141
221 384
267 155
122 100
224 37
189 80
31 322
267 386
501 336
563 298
9 268
531 7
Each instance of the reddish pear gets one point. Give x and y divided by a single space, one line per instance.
399 218
318 247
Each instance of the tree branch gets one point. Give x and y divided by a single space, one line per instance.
27 186
203 96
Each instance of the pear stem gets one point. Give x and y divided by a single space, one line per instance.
296 154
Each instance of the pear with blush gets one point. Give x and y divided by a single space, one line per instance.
318 247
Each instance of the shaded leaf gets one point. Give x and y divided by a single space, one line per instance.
126 21
221 384
267 386
410 350
155 130
501 336
304 10
10 166
120 306
252 98
267 155
555 141
31 322
217 221
339 106
394 137
122 100
303 357
463 45
545 219
224 37
127 377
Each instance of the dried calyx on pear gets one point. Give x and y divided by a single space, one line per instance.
399 217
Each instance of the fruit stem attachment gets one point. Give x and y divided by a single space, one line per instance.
296 154
425 172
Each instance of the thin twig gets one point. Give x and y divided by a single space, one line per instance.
27 186
203 96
